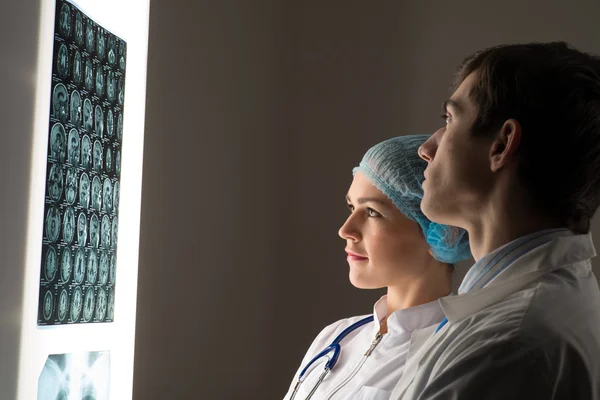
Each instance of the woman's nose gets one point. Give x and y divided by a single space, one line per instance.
348 230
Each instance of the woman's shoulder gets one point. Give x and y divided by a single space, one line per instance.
329 333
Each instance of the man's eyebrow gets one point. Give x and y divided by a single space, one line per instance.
362 200
452 103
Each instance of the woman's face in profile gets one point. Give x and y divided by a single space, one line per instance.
384 248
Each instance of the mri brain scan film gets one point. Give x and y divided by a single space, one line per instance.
85 135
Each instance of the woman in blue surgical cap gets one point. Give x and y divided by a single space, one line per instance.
389 244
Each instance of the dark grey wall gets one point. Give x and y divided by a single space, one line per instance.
256 113
207 254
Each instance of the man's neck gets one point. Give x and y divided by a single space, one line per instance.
501 222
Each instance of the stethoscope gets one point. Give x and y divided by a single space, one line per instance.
333 347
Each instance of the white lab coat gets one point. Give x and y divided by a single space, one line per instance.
358 377
532 333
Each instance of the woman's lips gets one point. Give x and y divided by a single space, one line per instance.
355 257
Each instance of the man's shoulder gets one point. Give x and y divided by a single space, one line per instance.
504 317
505 324
539 318
557 304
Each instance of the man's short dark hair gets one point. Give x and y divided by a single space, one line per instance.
553 91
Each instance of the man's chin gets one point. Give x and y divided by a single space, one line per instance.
431 211
426 208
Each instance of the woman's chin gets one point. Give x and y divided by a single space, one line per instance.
360 281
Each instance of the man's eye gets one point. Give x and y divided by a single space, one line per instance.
447 118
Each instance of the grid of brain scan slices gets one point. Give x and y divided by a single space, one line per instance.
81 212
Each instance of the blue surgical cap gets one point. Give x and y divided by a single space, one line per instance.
396 169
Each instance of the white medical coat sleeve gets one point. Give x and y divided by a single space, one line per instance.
514 369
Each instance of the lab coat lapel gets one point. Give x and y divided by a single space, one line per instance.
420 343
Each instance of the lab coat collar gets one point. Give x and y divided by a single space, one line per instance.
408 319
494 263
558 253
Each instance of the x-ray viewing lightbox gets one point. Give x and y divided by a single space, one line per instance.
67 322
80 232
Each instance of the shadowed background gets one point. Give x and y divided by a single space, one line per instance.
256 113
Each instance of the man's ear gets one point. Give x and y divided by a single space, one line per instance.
505 144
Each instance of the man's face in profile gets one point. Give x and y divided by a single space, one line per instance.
458 163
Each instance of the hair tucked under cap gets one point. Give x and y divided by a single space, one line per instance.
396 169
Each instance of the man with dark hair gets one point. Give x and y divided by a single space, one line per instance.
517 165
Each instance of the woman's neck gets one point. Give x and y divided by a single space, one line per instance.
433 283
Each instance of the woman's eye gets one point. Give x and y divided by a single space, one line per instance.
350 207
373 213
